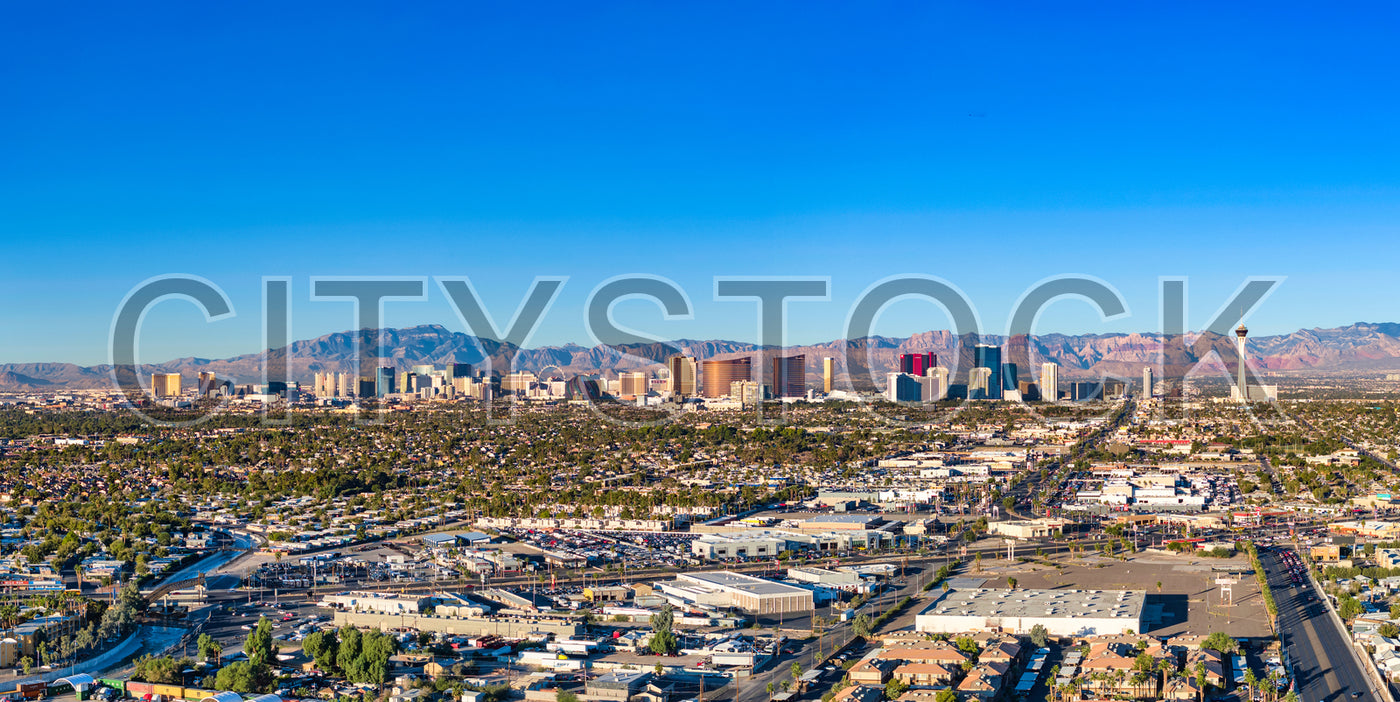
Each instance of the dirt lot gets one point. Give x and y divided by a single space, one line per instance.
1187 601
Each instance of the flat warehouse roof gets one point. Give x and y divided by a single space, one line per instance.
845 519
744 583
1078 604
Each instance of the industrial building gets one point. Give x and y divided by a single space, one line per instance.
725 589
826 576
718 547
1029 528
378 602
766 543
617 685
835 522
822 580
1061 612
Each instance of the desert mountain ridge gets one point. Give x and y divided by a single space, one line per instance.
1357 347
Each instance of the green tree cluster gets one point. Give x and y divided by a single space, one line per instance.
663 635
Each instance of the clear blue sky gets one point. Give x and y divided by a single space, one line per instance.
992 145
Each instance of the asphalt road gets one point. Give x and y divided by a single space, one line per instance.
238 545
754 688
1029 487
1324 668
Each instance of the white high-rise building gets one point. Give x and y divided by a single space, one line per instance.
1050 382
902 387
935 384
747 392
1147 381
979 381
324 385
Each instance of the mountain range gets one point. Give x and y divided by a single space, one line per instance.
1356 347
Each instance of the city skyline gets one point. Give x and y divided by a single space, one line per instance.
904 350
662 352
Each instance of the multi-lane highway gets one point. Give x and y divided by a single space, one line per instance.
1324 667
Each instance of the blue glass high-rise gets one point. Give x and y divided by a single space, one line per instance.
1008 377
989 357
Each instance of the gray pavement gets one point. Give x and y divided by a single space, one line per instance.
1324 668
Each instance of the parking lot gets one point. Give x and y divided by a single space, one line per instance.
1188 600
637 549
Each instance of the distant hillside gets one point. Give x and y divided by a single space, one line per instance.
1361 346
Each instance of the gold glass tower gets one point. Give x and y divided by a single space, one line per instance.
165 384
719 375
682 369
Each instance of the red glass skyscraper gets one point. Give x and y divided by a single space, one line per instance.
917 363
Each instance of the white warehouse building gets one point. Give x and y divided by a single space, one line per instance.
378 602
719 547
1061 612
726 589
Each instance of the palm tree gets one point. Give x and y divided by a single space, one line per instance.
1166 668
1099 678
1273 681
1139 679
9 616
1071 689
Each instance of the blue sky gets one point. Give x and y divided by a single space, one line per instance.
990 145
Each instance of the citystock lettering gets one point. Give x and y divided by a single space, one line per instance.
940 384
